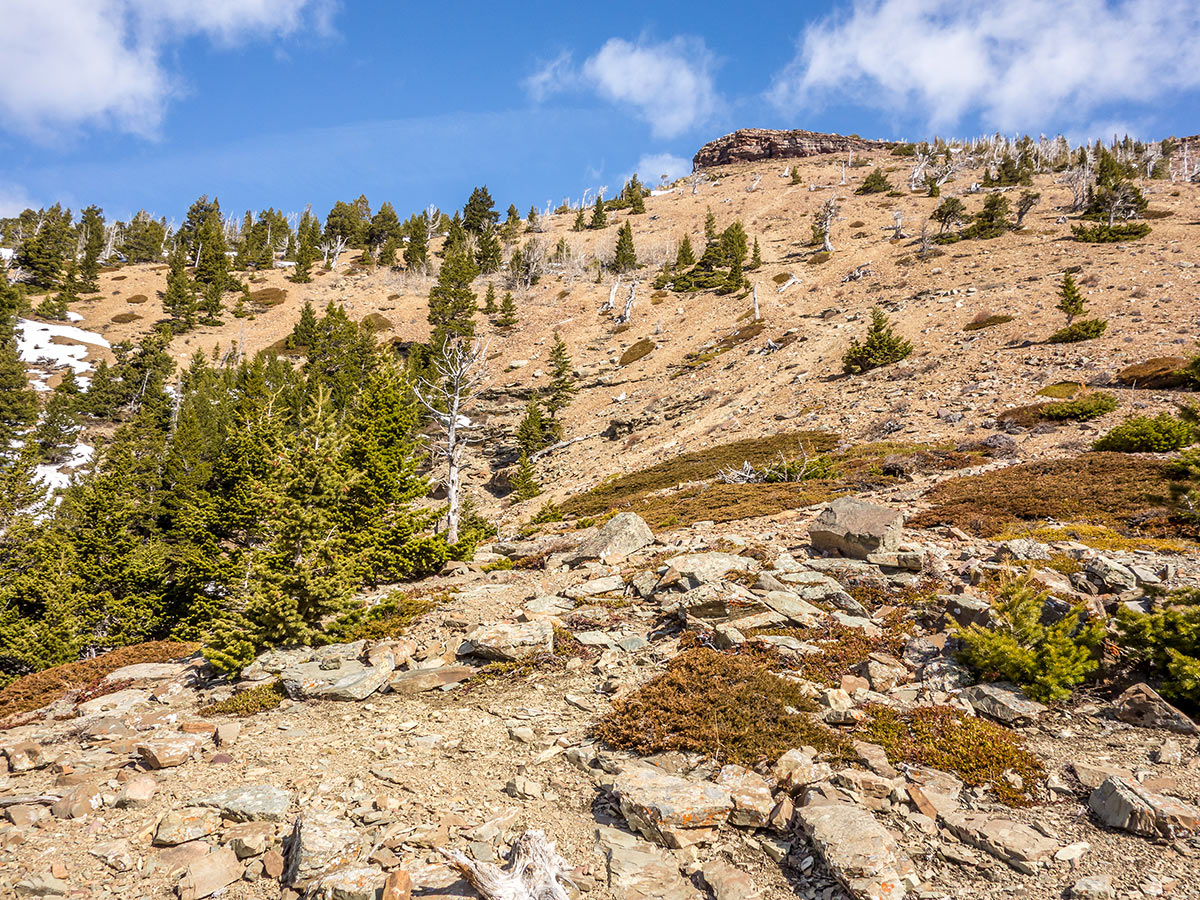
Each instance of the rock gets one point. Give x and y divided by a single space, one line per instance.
1142 706
727 882
874 758
350 883
856 528
506 642
753 144
1123 803
167 753
397 886
522 788
637 871
416 681
966 610
25 756
1092 775
1003 702
672 811
1109 576
118 702
623 534
798 768
690 570
205 877
1014 843
1169 753
946 675
858 851
249 839
137 791
360 685
883 672
752 800
78 802
794 609
250 803
227 733
597 587
41 886
1094 887
1021 550
319 842
115 855
179 826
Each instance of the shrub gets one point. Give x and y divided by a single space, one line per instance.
875 183
1062 390
1046 660
248 703
389 618
1103 233
125 318
821 256
271 296
1160 372
1143 434
136 299
642 348
730 708
1083 330
977 751
1082 409
1166 643
986 321
882 347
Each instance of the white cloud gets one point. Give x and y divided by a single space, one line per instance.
1021 64
669 84
14 200
652 166
75 62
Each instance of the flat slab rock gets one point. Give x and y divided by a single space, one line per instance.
1123 803
250 803
415 681
505 642
621 535
665 808
319 842
1015 843
858 851
856 528
639 871
1141 705
1003 702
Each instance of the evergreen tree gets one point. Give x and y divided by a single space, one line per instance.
18 403
580 221
92 226
212 265
44 254
533 432
875 183
508 312
685 257
479 213
306 255
456 237
634 192
991 221
562 378
387 253
384 227
734 244
416 251
1071 301
755 257
54 436
882 346
305 331
489 255
599 218
735 280
512 224
452 302
710 227
179 301
949 213
489 300
143 237
210 302
524 480
625 259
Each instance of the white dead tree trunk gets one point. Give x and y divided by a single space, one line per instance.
756 302
787 172
533 871
461 371
795 279
825 218
612 296
843 181
754 187
332 249
898 228
624 317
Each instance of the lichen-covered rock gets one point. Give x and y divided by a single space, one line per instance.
856 528
1017 844
250 803
319 842
858 851
507 642
672 811
1003 702
752 800
752 144
621 535
1123 803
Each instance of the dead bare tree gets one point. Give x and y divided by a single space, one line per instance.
612 296
794 279
824 218
533 871
858 273
461 370
624 317
331 249
754 187
755 302
923 237
898 228
1078 180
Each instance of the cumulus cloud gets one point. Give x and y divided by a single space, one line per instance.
669 84
76 62
13 200
1022 64
651 167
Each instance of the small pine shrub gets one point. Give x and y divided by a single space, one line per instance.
1166 643
986 321
248 703
1103 233
1083 330
882 347
1046 660
1143 434
1083 409
524 480
642 348
875 183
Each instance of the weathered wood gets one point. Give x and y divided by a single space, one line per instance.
533 871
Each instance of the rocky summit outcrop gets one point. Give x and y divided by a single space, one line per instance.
753 144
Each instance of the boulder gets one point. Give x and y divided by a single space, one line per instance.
690 570
1094 887
1110 576
1003 702
349 883
623 534
1014 843
1021 550
672 811
179 826
416 681
856 528
858 851
250 803
798 768
1142 706
638 871
79 801
754 144
319 842
751 795
169 752
506 642
1123 803
728 882
206 876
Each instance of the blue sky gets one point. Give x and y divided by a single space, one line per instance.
149 103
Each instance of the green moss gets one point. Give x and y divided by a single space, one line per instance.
986 322
642 348
1062 390
248 703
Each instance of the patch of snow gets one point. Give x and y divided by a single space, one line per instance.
73 316
55 476
36 347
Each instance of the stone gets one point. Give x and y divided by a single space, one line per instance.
1003 702
1141 705
728 882
1123 803
118 703
360 685
1021 550
137 791
966 610
1014 843
78 802
248 839
273 863
227 733
397 886
1092 775
883 672
1109 576
858 851
349 883
41 886
206 876
167 753
798 768
754 144
1169 753
310 680
856 528
1094 887
416 681
690 570
179 826
250 803
672 811
638 871
597 587
796 610
115 855
506 642
751 795
25 756
319 842
623 534
874 758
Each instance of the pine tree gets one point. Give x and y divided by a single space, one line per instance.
456 237
735 279
882 346
18 403
212 265
512 224
210 302
533 430
710 227
599 217
92 225
479 212
875 183
387 253
508 312
524 479
1071 301
634 194
416 251
44 254
625 259
489 255
57 306
452 302
580 221
489 300
562 378
755 257
304 333
734 244
55 433
685 257
306 255
179 301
